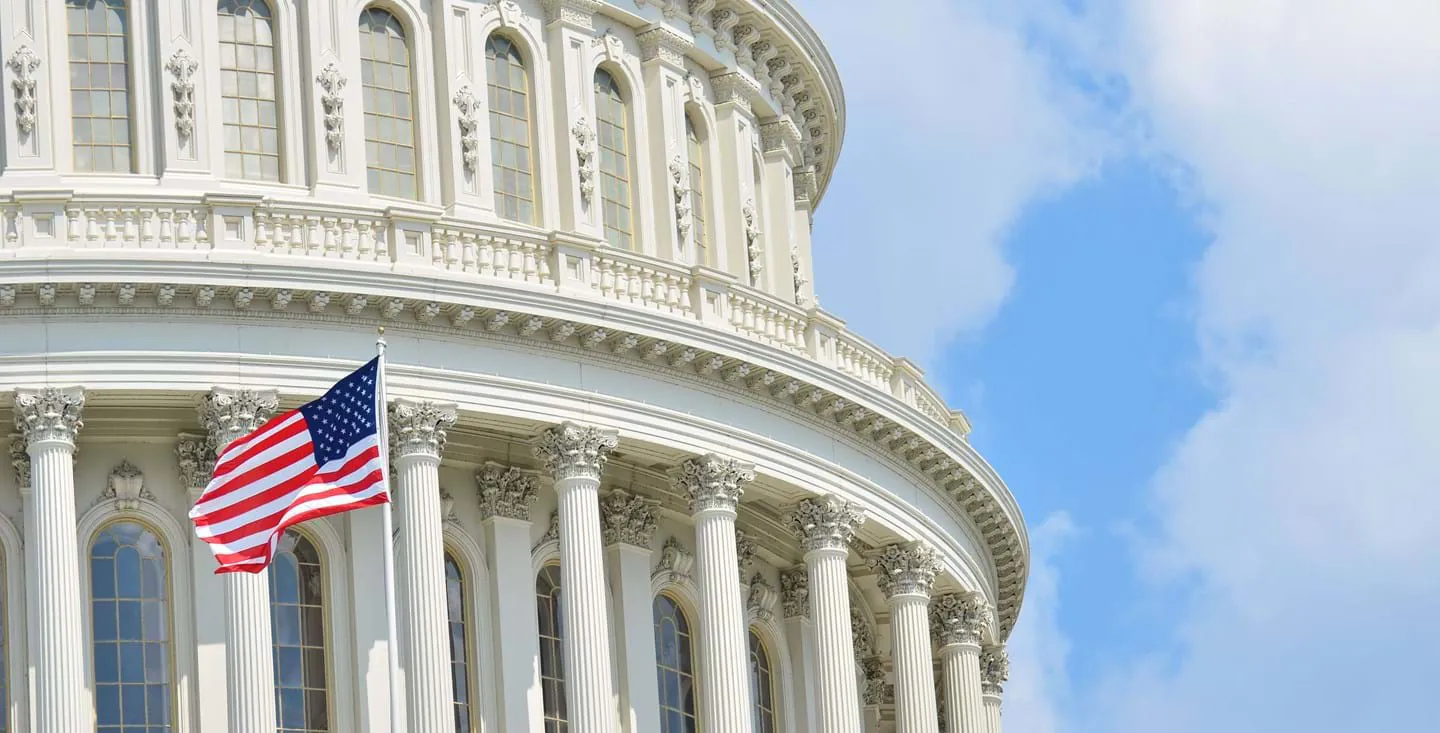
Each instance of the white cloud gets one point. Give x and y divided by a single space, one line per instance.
1039 685
1304 509
955 124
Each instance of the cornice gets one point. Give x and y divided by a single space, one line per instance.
212 287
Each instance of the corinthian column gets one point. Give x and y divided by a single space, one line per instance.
825 527
417 436
958 623
714 485
906 574
994 670
250 674
48 420
575 456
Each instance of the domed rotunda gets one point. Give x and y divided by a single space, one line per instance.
642 482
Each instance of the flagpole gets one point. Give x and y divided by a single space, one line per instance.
392 649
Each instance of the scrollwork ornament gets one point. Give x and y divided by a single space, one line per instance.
23 63
332 102
675 560
628 519
570 450
505 491
760 598
584 135
958 619
419 428
712 482
905 569
126 487
468 106
182 66
994 669
826 523
49 414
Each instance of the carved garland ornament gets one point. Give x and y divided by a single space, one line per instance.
468 105
182 66
24 62
680 178
332 102
584 134
754 251
798 276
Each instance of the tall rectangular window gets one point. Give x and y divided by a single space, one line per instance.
389 105
613 140
247 87
508 84
99 84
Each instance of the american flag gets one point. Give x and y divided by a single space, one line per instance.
320 459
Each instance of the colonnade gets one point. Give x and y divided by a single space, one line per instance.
596 534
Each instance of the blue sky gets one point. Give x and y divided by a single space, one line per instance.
1179 262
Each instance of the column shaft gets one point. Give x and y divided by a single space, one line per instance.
582 608
724 657
992 714
839 697
960 671
58 651
914 676
421 586
250 671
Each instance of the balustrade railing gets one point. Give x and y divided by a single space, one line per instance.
573 267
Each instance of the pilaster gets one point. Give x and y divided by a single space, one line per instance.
195 456
800 639
735 137
569 29
628 525
506 496
662 54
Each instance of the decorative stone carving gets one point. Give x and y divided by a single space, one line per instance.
908 569
722 20
875 686
182 66
860 632
675 560
732 88
508 10
762 51
577 13
745 549
795 592
700 17
712 482
958 619
229 414
505 491
628 519
447 507
468 106
664 43
126 487
570 450
754 251
760 601
680 178
418 428
20 461
610 44
584 134
49 413
994 669
23 63
552 530
741 38
332 102
826 523
196 456
798 276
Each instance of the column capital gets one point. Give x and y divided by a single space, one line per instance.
665 44
994 669
712 482
575 13
826 523
572 450
732 87
907 569
795 592
745 549
49 414
877 691
505 491
958 619
196 456
628 519
230 413
417 428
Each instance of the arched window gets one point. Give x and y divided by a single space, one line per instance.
613 140
247 90
674 668
552 655
297 615
696 152
99 84
762 685
389 105
508 83
130 620
459 644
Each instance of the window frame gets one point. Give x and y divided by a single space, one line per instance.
278 47
409 39
526 65
698 196
624 95
685 614
467 621
136 46
327 609
758 640
561 719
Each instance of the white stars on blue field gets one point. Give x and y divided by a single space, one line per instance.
345 415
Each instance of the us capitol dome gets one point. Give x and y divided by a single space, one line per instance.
643 483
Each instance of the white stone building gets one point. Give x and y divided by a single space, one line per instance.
643 482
